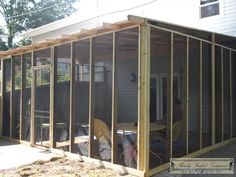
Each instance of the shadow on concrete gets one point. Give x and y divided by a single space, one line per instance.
5 142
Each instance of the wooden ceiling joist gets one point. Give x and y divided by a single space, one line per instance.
88 32
70 37
54 41
110 26
107 27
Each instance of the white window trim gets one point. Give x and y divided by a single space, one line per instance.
159 93
221 5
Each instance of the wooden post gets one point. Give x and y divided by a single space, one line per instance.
170 100
91 101
144 98
222 93
22 95
200 95
186 95
230 92
213 99
33 86
53 80
12 96
2 96
114 101
72 99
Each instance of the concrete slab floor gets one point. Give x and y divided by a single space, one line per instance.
14 155
227 151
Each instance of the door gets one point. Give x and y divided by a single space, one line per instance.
158 95
41 105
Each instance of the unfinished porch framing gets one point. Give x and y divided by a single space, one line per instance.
197 72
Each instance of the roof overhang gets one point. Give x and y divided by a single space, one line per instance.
84 33
132 21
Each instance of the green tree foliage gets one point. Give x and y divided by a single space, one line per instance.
22 42
21 15
3 45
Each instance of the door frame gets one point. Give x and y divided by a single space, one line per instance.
159 92
33 86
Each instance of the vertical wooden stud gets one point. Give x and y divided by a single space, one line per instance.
72 99
12 96
200 95
213 99
222 93
33 86
231 94
22 95
114 101
144 98
186 95
53 80
91 101
170 100
2 96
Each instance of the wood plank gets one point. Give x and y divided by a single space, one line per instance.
54 41
88 31
72 99
12 97
222 94
231 94
70 37
170 101
85 33
22 95
110 26
200 95
120 168
192 155
91 101
114 102
186 95
33 86
213 90
144 98
53 80
3 84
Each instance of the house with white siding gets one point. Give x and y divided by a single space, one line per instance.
211 15
130 93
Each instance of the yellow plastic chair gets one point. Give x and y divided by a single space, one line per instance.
177 131
101 131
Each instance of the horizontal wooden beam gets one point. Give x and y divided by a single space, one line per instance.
194 154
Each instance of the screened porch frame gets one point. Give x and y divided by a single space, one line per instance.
144 26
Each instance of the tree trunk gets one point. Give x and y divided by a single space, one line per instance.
10 41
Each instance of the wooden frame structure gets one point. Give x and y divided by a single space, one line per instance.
145 27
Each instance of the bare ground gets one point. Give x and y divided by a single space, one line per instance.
61 167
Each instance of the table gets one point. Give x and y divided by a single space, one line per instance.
130 126
77 140
128 135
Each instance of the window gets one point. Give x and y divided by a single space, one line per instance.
99 72
209 8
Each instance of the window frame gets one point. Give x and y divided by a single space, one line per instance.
209 4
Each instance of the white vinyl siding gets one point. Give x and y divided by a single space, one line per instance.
224 23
